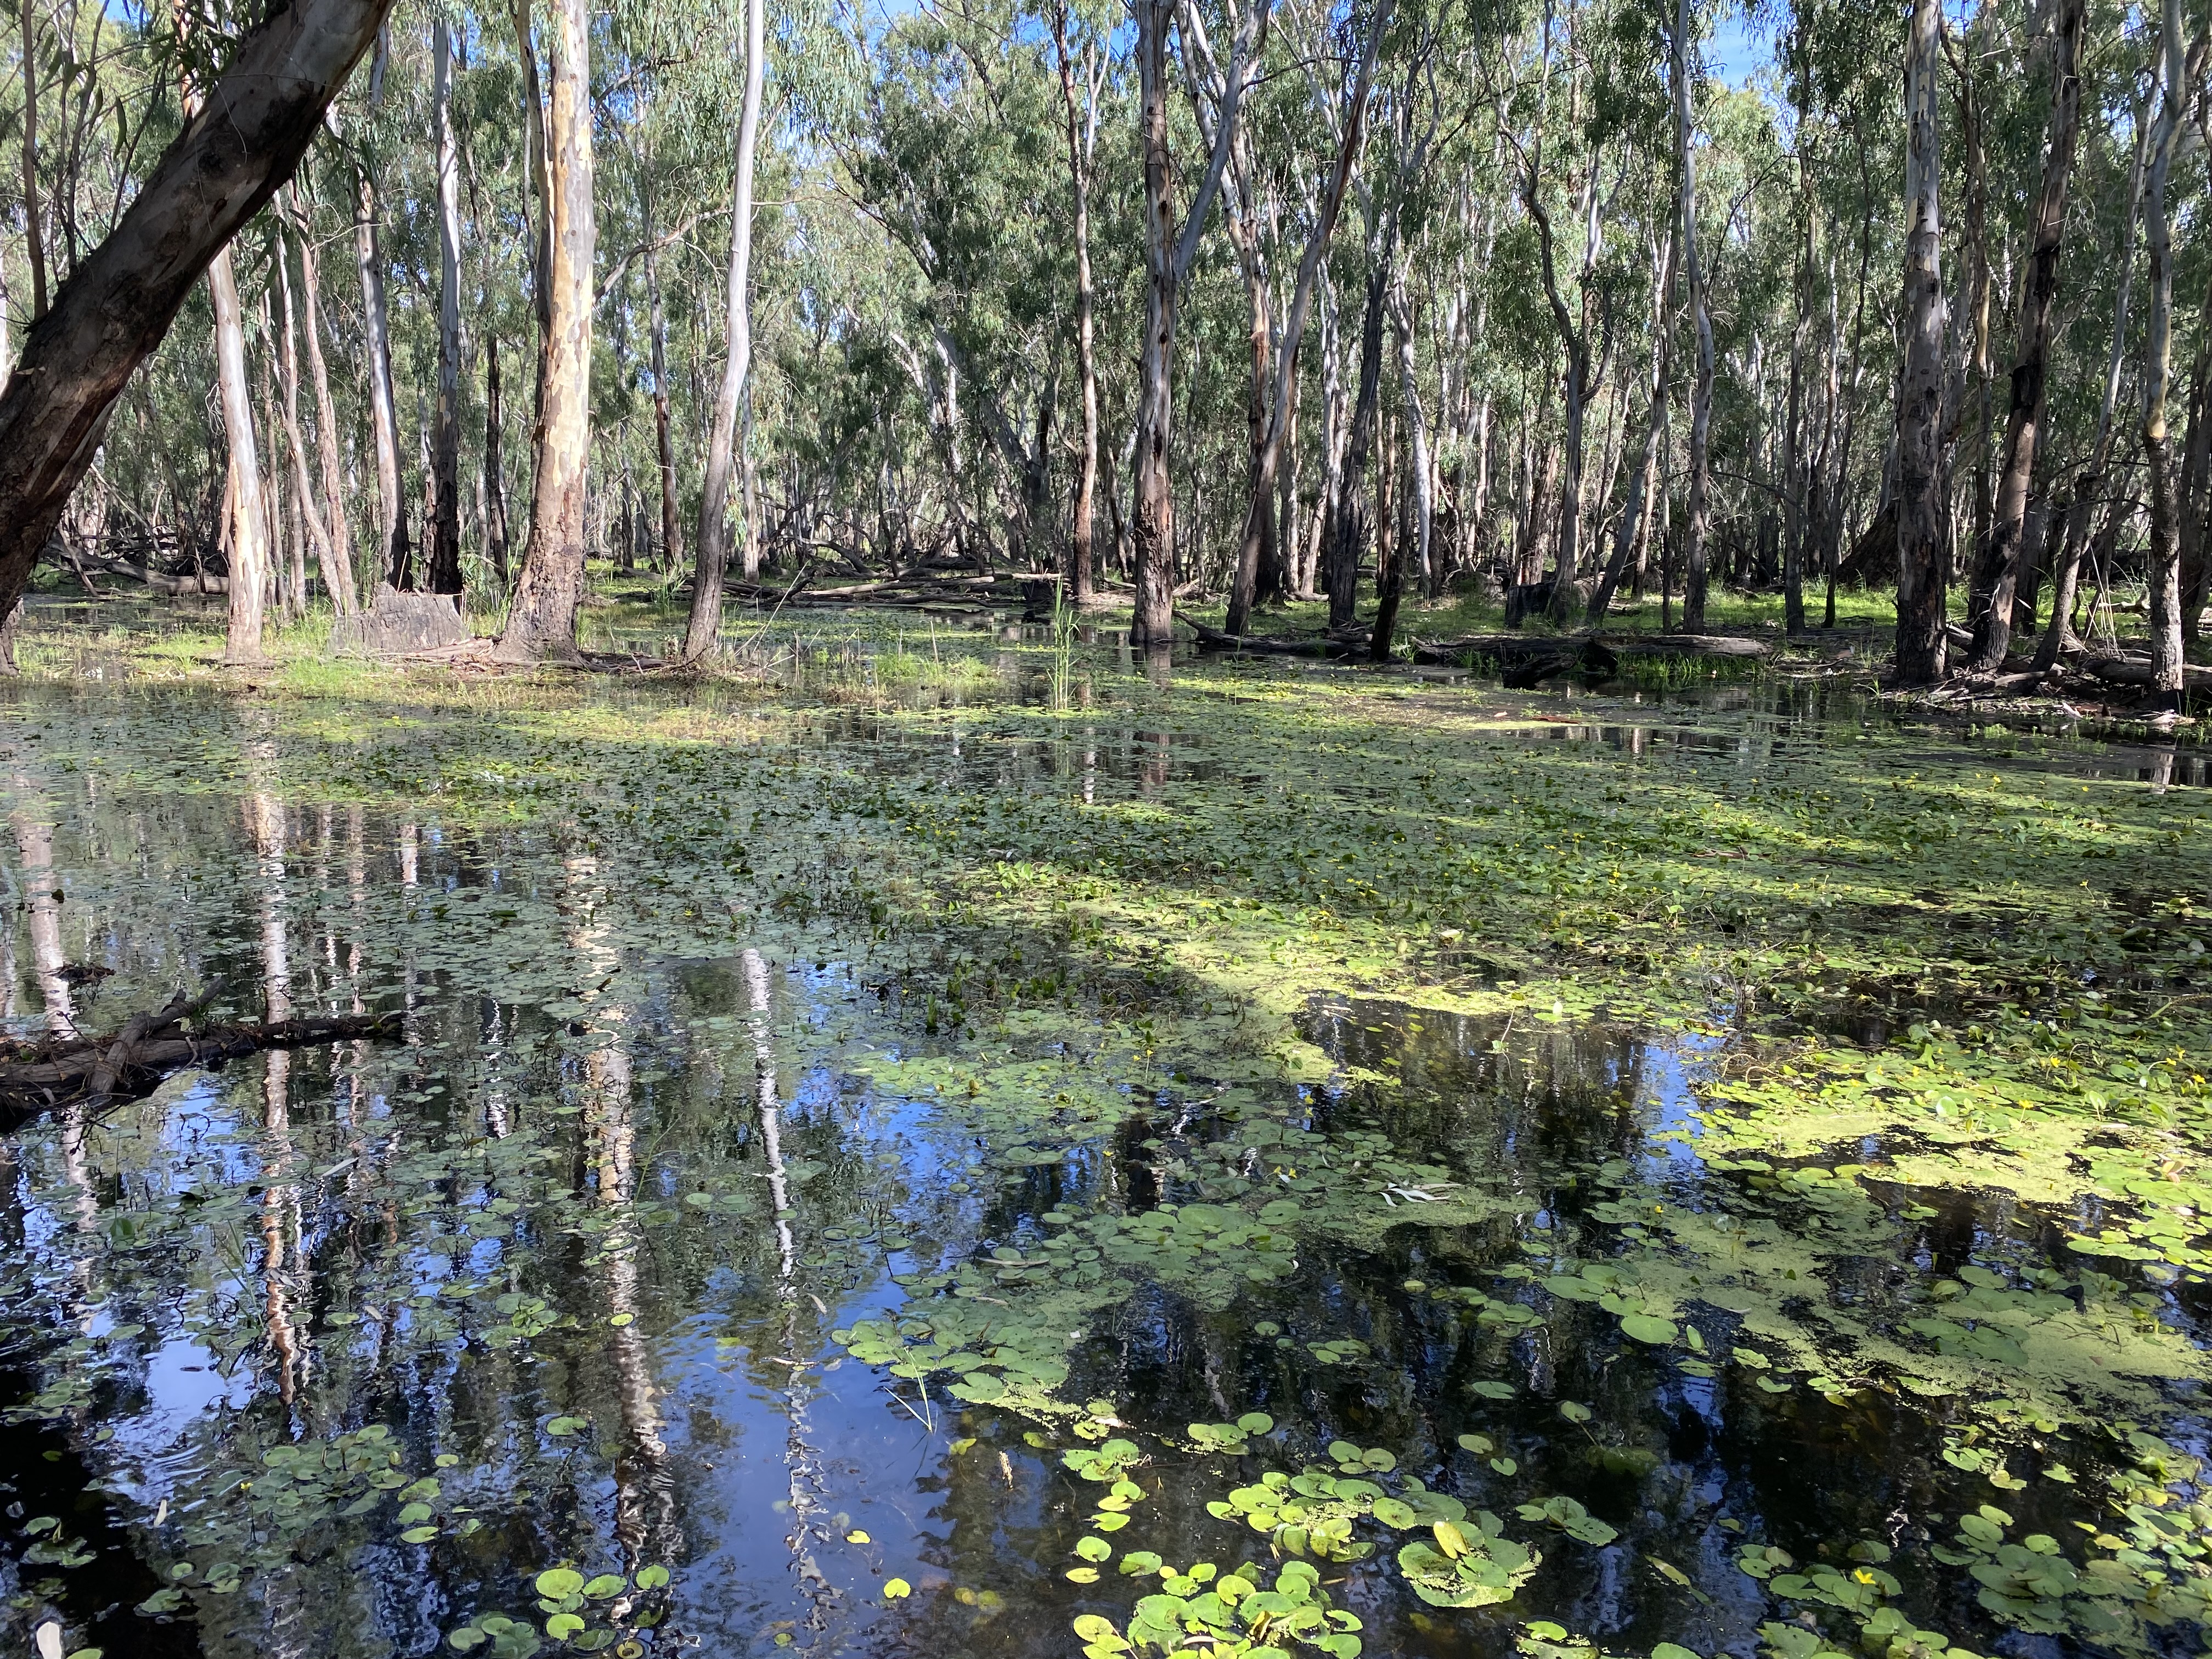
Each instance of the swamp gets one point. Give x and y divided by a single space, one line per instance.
873 1156
1139 829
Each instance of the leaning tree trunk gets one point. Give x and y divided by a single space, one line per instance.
1923 553
713 558
542 622
2005 558
441 537
2166 662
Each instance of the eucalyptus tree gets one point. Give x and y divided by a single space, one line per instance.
2002 562
261 112
712 541
541 623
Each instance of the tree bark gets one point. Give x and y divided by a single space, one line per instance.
1080 571
344 596
1923 553
1575 339
391 553
2164 573
313 521
2006 557
118 303
1413 548
495 524
541 624
1167 256
1348 534
35 252
1629 536
663 439
1701 396
441 537
713 558
2058 633
1152 510
1283 408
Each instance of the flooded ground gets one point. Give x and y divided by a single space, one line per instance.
878 1163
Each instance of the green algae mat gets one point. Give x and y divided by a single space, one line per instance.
949 1145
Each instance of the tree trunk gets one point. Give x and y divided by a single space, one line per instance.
1795 477
1575 342
1413 548
249 524
663 439
2196 567
1701 397
1252 549
712 556
1153 515
495 525
1923 556
1167 257
2164 573
340 577
35 252
541 624
391 553
2058 633
441 537
1629 536
314 521
118 303
1389 544
2007 554
1081 579
1348 534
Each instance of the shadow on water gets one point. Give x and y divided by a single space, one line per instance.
545 1315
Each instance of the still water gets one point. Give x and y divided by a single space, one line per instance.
570 1319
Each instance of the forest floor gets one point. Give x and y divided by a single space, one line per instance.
939 1141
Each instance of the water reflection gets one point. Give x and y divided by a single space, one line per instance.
365 1340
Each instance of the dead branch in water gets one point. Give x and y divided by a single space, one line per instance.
36 1077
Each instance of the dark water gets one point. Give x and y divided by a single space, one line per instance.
336 1352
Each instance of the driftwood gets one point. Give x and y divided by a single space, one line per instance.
35 1076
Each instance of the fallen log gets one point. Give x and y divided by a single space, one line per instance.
1212 639
1524 658
1696 644
2135 671
92 1071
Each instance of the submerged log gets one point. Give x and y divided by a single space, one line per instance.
36 1077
